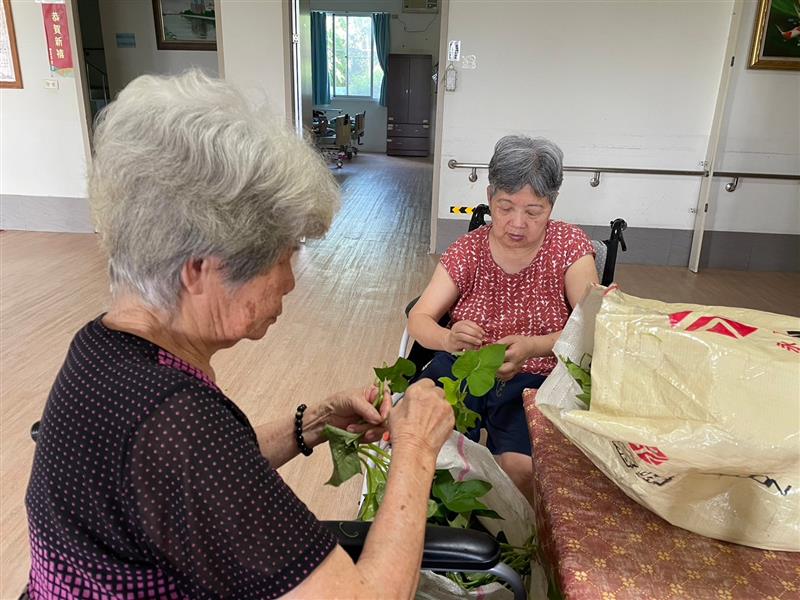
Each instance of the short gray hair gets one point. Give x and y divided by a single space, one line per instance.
185 168
519 160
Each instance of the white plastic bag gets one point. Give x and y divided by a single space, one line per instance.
467 460
695 412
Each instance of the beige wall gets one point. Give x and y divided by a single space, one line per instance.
254 49
760 133
125 64
630 84
42 142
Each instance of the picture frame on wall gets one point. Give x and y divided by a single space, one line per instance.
10 74
185 24
776 35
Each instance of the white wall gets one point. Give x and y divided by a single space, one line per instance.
629 84
42 143
254 52
760 133
410 33
125 64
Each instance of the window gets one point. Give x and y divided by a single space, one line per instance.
353 67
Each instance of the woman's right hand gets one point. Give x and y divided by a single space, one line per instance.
423 419
463 335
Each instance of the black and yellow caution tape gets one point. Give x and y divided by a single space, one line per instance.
461 210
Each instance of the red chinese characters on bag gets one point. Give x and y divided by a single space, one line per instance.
719 325
649 454
790 346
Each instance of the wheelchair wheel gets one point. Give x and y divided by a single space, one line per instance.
339 164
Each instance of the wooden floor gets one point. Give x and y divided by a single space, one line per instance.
344 317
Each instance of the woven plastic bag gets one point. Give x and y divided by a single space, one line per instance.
467 460
695 412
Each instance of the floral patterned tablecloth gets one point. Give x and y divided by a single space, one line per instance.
598 543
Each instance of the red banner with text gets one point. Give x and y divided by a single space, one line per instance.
56 27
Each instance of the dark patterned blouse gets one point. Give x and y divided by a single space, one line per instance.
148 483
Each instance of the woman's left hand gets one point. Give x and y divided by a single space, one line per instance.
353 410
519 350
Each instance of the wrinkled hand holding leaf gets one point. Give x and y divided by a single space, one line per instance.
347 452
474 372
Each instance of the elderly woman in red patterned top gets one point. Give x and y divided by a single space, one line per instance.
511 282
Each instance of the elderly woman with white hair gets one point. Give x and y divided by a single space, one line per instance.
511 282
148 482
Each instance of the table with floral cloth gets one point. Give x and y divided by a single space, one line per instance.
598 543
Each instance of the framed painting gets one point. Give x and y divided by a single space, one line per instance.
10 75
185 24
776 35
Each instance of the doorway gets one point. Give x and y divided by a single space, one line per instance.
119 41
96 87
357 94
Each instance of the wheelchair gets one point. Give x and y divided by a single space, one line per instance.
605 262
335 137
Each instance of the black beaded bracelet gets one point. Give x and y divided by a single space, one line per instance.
298 431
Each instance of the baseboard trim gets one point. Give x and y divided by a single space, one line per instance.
45 213
739 251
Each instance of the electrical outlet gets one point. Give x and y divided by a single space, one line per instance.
51 84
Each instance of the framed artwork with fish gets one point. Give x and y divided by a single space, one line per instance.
185 24
776 35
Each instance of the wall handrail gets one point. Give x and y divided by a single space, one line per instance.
757 175
596 171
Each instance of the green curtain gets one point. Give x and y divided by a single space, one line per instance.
380 31
319 59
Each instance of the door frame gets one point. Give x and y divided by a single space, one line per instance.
444 17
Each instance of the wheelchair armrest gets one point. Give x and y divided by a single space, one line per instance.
446 548
411 305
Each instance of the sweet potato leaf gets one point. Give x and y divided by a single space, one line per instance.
480 368
451 390
583 376
466 419
460 496
486 512
461 521
465 364
397 375
344 452
477 368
